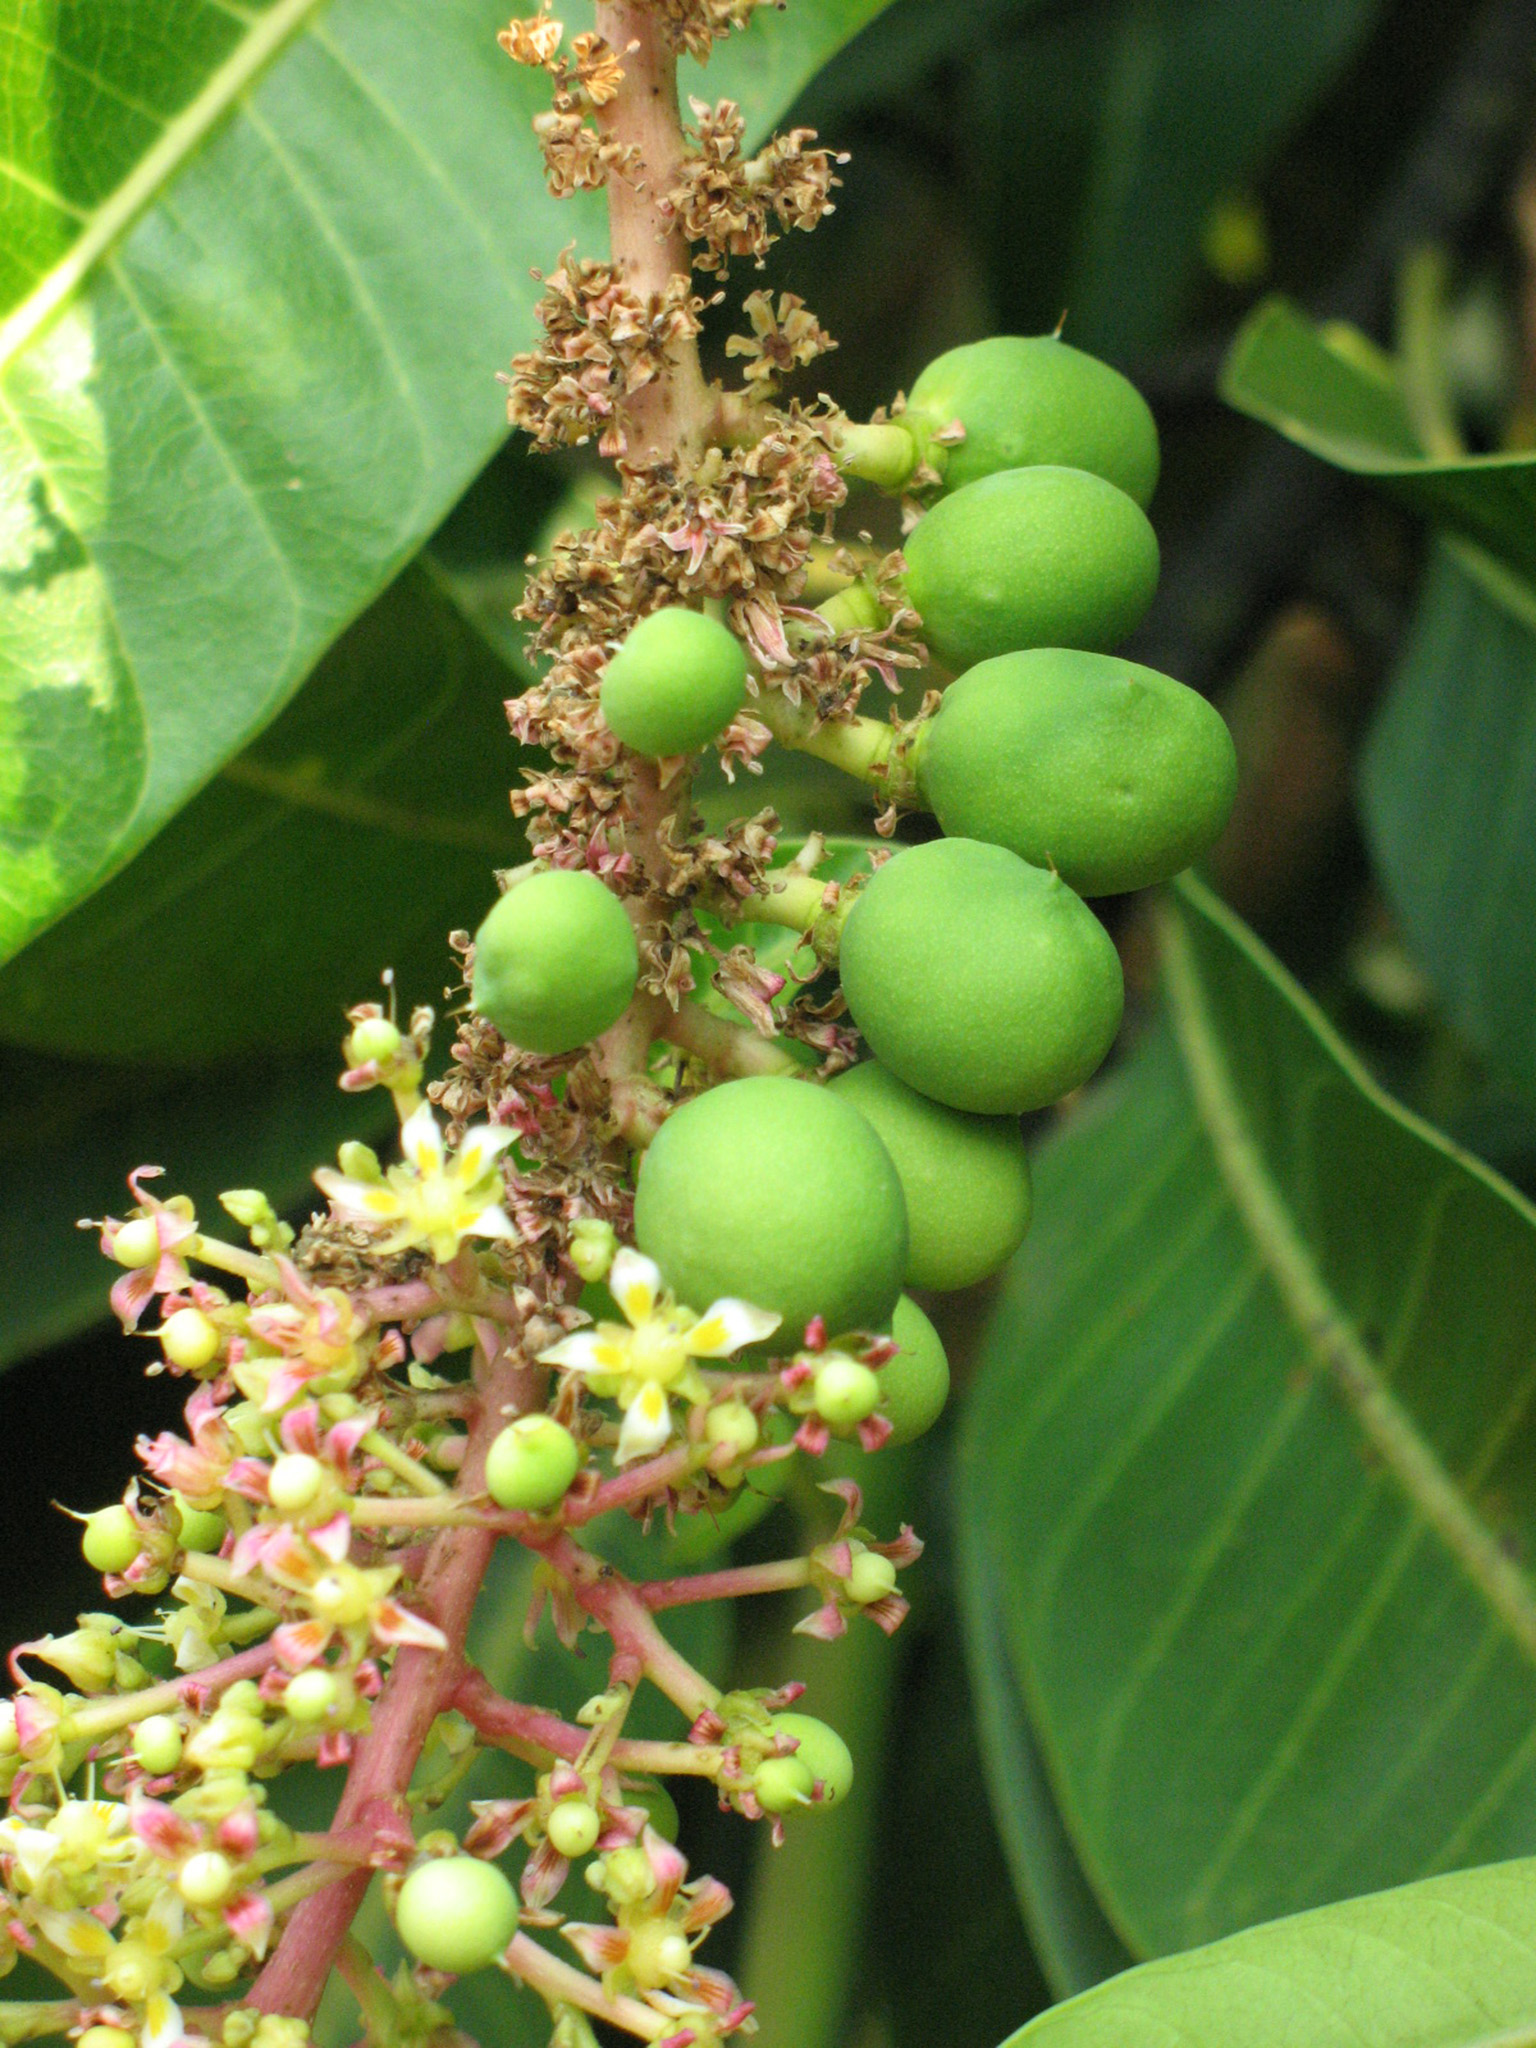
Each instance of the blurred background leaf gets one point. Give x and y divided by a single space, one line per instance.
1344 401
1246 1466
1448 788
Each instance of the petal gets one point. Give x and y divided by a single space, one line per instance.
728 1324
163 2024
646 1426
393 1623
590 1351
481 1147
363 1198
634 1281
490 1222
422 1142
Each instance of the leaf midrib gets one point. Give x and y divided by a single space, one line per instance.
1322 1324
179 140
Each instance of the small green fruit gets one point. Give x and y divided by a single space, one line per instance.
782 1783
199 1529
189 1339
555 961
206 1879
456 1913
310 1695
678 680
872 1577
137 1242
157 1744
531 1464
1026 399
376 1038
660 1807
822 1751
1044 557
111 1540
965 1178
914 1385
295 1482
978 979
574 1826
776 1192
1115 776
846 1392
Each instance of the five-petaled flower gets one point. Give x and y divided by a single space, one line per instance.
642 1366
433 1197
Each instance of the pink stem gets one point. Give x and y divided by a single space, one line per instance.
780 1577
502 1720
419 1687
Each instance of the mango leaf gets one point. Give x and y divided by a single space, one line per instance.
1342 400
1191 103
359 829
262 273
1448 789
1075 1945
1450 1963
69 1133
1248 1468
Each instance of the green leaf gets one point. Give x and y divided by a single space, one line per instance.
1334 394
1192 103
1248 1468
69 1134
264 269
1075 1944
1448 787
354 835
1450 1963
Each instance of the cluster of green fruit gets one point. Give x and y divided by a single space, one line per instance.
980 980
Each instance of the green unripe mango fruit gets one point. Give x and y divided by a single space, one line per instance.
456 1913
1026 399
1044 557
1110 773
678 680
776 1192
979 980
914 1385
965 1178
822 1751
555 961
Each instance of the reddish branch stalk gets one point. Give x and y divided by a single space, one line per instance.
668 420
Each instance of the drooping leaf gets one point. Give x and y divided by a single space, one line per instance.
69 1133
258 302
1193 102
1342 400
1248 1468
1448 784
1450 1963
354 835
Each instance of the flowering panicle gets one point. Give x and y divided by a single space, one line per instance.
379 1397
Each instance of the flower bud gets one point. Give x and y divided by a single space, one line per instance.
593 1244
295 1482
206 1879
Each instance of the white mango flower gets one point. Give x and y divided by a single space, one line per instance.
644 1365
432 1197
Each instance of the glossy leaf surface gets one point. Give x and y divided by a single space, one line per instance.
1446 1964
258 304
1247 1471
357 832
